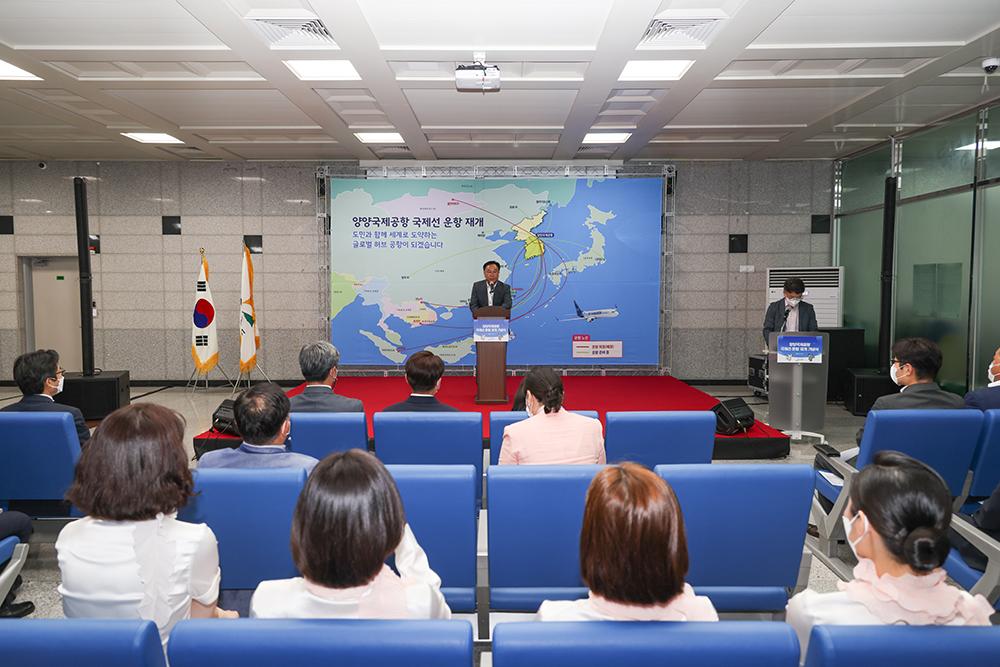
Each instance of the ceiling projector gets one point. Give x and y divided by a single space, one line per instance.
477 78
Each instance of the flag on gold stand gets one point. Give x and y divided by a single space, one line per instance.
249 339
204 343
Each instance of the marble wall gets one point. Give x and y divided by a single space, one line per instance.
718 312
144 280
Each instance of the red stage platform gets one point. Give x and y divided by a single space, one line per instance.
604 394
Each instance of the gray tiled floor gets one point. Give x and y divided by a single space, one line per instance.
41 573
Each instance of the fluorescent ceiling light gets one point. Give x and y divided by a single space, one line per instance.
8 71
606 137
379 137
152 137
990 145
324 70
654 70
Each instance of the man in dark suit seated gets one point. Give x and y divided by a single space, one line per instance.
790 313
490 292
318 362
40 377
987 398
423 371
986 519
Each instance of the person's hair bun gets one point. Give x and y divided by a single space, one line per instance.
926 548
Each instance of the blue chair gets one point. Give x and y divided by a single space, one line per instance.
534 534
11 550
725 506
500 420
82 643
986 583
250 511
46 448
320 643
319 434
583 644
438 438
985 472
913 646
943 439
440 504
652 438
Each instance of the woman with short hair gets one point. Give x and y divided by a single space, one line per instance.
348 520
897 522
551 435
633 554
130 557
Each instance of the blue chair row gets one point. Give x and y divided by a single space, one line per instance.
14 554
943 439
536 513
250 511
649 438
317 643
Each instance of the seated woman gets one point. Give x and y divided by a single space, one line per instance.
551 435
897 523
348 520
633 554
130 558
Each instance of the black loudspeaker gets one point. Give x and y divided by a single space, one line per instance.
733 416
97 396
223 419
862 386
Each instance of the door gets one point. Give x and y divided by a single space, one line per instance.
55 303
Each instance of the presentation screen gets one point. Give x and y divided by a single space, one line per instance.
582 258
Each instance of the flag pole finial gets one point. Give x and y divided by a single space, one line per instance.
201 250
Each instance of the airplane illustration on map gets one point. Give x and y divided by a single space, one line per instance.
590 315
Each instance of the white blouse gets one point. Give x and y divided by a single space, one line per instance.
415 594
137 569
684 607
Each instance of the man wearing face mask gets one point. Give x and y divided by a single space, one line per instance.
987 398
40 377
790 313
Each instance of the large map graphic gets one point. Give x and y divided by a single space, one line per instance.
581 256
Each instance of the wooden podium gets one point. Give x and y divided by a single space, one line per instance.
491 361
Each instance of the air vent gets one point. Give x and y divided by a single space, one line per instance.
684 32
285 33
389 150
605 150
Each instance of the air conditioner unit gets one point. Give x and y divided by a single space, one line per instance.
824 290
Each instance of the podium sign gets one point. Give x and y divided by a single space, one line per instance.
487 330
800 349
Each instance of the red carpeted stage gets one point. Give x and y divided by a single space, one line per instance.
604 394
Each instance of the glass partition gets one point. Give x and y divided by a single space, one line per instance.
933 268
939 159
863 180
861 256
988 329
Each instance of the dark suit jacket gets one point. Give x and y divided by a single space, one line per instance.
920 396
480 295
987 398
986 519
421 404
776 314
316 398
42 403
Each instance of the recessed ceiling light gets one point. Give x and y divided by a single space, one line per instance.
990 145
606 137
324 70
379 137
654 70
152 137
8 71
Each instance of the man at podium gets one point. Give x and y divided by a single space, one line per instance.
490 292
790 313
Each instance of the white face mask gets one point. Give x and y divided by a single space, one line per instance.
59 388
794 302
848 524
893 374
990 374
